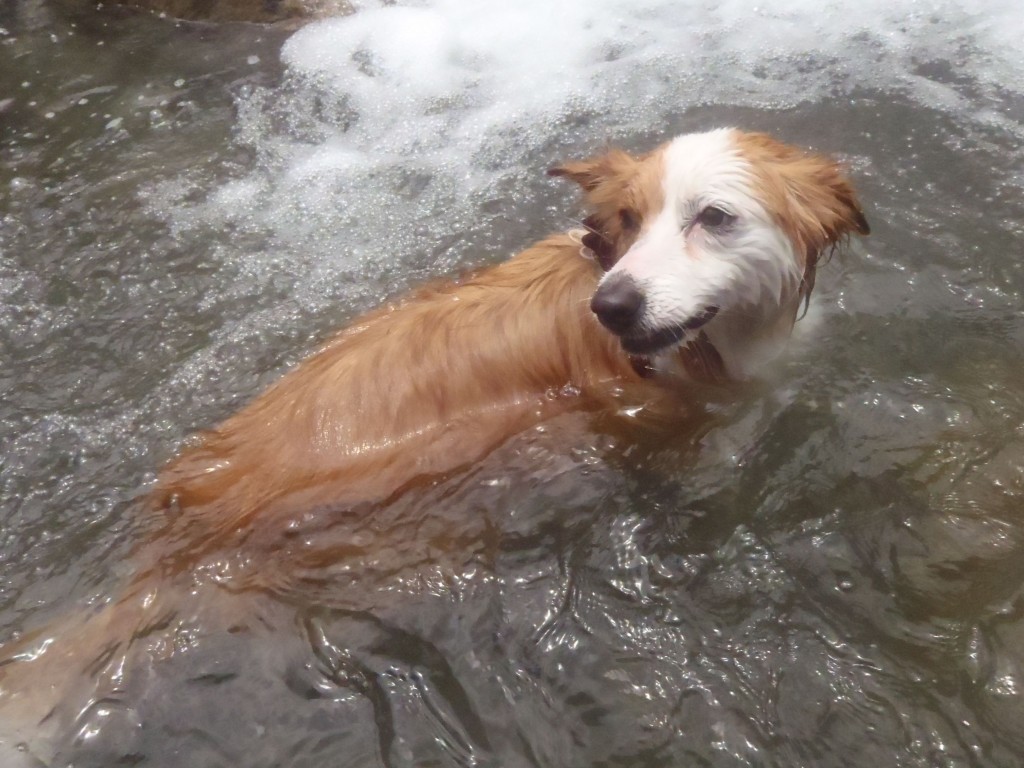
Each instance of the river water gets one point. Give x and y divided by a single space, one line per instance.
831 573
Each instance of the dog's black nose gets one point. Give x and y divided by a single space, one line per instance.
617 303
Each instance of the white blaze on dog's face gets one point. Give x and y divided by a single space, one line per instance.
712 248
721 245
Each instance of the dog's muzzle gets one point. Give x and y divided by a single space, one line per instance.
619 305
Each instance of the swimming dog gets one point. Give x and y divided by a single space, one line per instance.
703 251
692 267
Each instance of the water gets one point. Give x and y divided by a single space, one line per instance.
828 573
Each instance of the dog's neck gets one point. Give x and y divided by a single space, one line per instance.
745 344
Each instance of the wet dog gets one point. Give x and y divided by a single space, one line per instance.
693 266
703 252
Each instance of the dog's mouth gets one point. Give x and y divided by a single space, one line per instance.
655 341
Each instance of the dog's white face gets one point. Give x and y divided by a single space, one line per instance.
712 234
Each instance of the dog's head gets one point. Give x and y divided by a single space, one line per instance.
712 230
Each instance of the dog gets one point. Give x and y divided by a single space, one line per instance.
692 267
695 262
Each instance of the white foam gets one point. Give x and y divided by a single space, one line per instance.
396 127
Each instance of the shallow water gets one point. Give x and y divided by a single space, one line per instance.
829 573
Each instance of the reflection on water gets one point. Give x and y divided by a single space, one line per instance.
830 574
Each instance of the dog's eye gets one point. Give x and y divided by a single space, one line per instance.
713 216
628 220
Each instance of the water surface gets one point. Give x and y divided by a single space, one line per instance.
829 573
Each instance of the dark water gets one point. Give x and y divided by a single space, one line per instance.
829 574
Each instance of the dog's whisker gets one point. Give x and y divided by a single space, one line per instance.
584 225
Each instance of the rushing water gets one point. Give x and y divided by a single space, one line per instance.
832 573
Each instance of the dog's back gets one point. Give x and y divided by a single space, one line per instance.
411 390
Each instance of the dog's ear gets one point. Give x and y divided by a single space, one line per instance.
809 194
586 173
611 168
824 201
826 211
616 201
